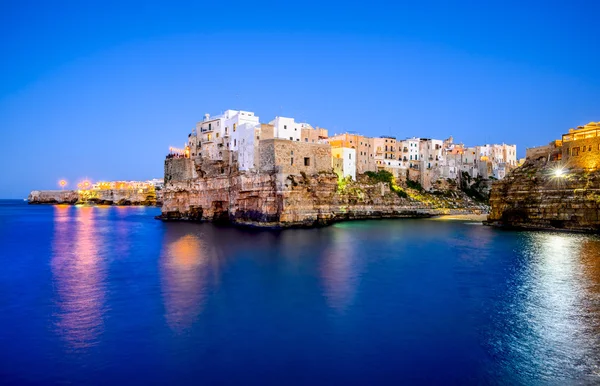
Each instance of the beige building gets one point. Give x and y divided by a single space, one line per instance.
312 135
581 147
364 146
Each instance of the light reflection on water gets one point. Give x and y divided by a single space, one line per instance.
553 308
78 276
358 300
340 270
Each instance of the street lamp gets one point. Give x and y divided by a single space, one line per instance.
558 172
62 184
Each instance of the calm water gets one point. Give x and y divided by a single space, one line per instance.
110 295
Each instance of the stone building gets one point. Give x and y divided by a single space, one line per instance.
312 135
581 147
293 157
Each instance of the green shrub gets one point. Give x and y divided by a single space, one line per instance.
414 185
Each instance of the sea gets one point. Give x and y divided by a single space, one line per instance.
112 296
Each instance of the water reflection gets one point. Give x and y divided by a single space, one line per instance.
340 270
556 289
184 264
78 276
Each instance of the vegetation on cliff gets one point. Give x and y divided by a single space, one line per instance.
387 177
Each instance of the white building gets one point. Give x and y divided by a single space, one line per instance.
409 152
216 133
286 128
348 157
246 141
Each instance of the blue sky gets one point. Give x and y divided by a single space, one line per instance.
102 89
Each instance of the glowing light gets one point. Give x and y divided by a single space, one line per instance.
62 183
558 172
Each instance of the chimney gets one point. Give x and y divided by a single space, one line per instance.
206 116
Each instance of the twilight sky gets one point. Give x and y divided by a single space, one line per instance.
101 89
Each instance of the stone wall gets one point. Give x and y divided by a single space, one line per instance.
538 152
532 197
291 157
584 153
180 169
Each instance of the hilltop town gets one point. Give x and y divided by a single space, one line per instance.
237 137
292 173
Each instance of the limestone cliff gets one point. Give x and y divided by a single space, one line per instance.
533 197
213 191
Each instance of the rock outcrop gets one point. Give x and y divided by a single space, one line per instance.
214 192
96 197
535 197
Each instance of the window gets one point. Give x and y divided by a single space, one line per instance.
292 152
209 126
575 151
349 156
291 138
291 161
235 142
306 161
284 127
305 139
234 126
217 135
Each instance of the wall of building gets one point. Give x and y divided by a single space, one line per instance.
291 157
287 128
583 153
246 145
312 135
348 157
539 151
180 169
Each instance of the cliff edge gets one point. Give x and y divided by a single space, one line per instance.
545 194
205 190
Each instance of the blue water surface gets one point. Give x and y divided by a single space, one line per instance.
109 295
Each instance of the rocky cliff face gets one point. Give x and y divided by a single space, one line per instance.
533 197
95 197
282 200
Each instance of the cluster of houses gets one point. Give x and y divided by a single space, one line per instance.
140 186
237 135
